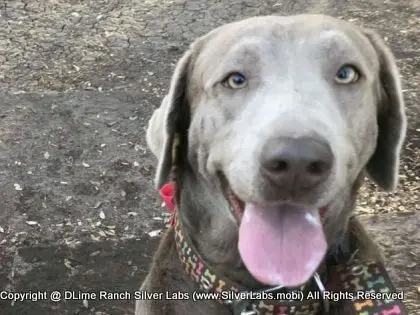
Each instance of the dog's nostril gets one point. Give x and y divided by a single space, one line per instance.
317 168
278 166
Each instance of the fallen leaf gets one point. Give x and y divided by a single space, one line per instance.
94 183
95 238
154 233
110 232
67 263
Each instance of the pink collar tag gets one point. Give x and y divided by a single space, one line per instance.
167 192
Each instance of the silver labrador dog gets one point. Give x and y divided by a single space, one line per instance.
269 126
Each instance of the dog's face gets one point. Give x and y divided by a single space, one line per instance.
284 113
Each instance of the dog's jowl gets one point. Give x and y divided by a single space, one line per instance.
263 140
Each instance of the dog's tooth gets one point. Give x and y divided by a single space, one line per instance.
312 219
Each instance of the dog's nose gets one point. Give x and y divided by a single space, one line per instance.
296 162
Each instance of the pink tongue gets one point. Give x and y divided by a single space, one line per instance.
281 246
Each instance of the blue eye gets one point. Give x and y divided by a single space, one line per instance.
235 81
347 74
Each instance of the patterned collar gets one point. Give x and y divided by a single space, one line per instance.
350 285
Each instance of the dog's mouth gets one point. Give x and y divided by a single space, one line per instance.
282 244
237 205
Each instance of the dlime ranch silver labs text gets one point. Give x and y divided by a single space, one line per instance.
125 295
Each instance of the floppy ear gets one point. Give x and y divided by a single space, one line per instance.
383 166
169 120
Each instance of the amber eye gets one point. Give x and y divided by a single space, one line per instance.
347 74
235 80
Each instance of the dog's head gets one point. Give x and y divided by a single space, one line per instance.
283 114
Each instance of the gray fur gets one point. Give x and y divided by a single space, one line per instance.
290 63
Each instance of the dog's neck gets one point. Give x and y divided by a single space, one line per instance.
213 231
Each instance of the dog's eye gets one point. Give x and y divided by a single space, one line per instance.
347 74
235 81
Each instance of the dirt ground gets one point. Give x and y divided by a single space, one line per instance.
78 81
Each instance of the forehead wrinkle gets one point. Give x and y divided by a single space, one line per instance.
347 47
240 57
321 50
327 43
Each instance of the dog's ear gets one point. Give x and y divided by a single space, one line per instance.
169 120
383 166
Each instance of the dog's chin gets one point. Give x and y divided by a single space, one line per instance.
281 243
